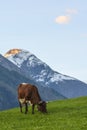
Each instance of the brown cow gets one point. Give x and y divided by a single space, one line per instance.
28 93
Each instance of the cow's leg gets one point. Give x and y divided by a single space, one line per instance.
33 106
26 108
20 107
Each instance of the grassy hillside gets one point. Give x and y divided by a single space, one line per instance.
62 115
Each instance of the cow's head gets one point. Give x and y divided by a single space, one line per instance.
42 106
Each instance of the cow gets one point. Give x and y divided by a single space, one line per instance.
28 93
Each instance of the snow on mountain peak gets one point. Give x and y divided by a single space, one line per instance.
17 56
32 67
60 77
12 52
38 69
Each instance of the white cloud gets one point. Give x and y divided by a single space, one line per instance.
71 11
63 19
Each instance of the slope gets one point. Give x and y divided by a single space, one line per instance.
9 81
42 74
68 114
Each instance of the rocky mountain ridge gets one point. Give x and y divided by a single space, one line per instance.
42 74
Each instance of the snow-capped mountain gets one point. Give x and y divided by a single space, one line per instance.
10 77
34 67
41 73
7 64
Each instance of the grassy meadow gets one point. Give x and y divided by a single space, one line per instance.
68 114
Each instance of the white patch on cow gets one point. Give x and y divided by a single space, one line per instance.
27 101
21 100
30 103
24 83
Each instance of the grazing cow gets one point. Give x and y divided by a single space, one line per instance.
28 93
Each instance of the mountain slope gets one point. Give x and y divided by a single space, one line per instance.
7 64
41 73
10 78
9 81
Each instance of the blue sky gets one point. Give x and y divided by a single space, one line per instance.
55 31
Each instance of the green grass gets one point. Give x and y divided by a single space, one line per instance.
62 115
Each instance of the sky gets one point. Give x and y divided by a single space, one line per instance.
55 31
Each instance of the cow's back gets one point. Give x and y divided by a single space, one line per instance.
28 92
24 90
